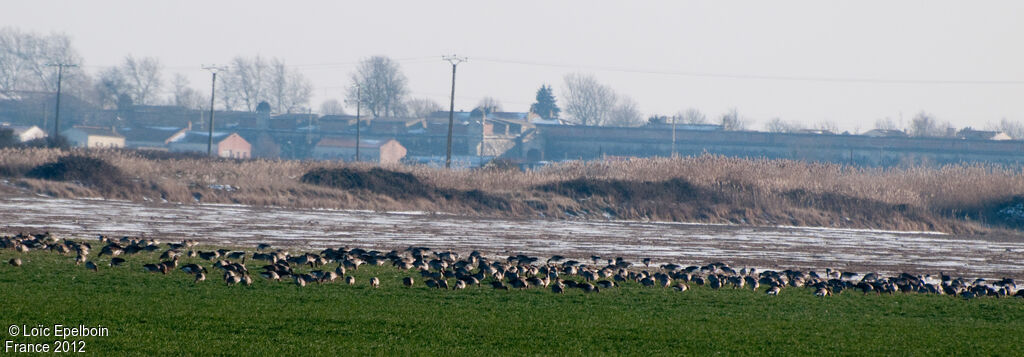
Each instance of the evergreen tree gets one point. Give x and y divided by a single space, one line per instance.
545 106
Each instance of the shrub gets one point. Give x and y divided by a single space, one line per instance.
86 170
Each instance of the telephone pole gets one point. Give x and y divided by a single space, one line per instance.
674 136
454 60
359 106
213 87
60 78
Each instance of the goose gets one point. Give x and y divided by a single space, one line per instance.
606 284
374 282
91 266
328 277
115 261
461 284
209 255
823 292
557 288
200 276
80 260
774 290
442 284
350 280
192 269
246 280
271 275
263 246
408 281
519 284
681 287
152 268
300 281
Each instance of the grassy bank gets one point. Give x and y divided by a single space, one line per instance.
156 314
958 199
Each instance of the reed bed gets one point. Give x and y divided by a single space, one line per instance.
952 198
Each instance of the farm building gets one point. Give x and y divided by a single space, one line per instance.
388 151
24 132
94 137
228 145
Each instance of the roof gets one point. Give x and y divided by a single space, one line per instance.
97 131
202 137
152 134
968 133
351 143
885 133
18 129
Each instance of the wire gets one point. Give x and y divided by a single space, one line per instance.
755 76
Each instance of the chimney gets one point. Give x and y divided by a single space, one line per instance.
189 127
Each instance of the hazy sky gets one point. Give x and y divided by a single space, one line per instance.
806 61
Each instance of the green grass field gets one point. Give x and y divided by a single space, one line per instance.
156 314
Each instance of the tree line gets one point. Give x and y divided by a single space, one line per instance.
378 88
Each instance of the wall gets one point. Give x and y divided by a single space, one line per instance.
391 152
575 142
234 146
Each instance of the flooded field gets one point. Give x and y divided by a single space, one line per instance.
739 246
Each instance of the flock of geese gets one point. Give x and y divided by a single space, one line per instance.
450 270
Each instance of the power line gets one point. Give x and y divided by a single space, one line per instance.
757 76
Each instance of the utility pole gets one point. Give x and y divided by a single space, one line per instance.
60 78
454 60
213 87
359 106
673 136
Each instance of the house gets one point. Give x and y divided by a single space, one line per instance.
154 137
971 134
388 151
24 133
94 137
228 145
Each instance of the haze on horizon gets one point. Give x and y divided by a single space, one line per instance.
801 61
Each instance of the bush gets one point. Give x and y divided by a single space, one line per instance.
377 180
86 170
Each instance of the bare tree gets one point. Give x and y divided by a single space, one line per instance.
184 95
587 101
250 81
925 125
381 87
1012 128
732 121
24 59
421 107
245 83
332 107
827 126
886 124
487 105
777 125
691 116
111 87
143 78
625 113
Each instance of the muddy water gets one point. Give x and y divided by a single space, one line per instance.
764 247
